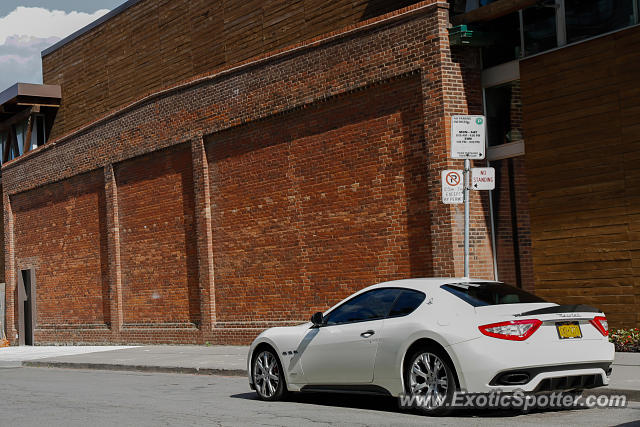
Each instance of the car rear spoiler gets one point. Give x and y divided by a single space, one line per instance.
576 308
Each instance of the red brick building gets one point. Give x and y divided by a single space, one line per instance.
216 168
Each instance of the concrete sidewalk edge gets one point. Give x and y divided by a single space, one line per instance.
632 395
137 368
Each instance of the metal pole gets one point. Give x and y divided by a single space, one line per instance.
493 236
467 166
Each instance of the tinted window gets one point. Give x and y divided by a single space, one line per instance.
504 33
368 306
492 293
539 29
504 124
588 18
406 303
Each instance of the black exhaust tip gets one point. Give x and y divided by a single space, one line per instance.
514 378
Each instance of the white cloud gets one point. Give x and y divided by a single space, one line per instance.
20 59
43 23
26 31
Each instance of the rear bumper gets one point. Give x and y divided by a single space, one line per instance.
484 365
561 379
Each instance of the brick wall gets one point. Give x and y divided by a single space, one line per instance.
2 256
511 207
158 254
157 43
360 115
60 231
312 206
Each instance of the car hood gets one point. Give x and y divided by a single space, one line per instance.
286 330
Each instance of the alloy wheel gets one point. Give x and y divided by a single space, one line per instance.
428 377
266 374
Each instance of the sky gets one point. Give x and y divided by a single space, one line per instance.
27 27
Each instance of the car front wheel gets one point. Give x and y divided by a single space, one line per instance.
268 377
429 377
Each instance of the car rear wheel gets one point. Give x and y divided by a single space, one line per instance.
268 377
429 377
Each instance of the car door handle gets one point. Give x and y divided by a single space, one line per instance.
367 334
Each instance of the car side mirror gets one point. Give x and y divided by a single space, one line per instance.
317 319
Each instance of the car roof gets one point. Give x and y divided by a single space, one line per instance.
426 283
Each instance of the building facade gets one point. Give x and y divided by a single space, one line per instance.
216 168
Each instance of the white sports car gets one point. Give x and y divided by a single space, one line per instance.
432 337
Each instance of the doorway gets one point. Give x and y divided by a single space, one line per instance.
26 306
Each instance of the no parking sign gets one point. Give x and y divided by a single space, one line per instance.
452 187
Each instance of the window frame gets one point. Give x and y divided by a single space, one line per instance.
561 28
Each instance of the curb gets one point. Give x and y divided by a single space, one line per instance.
137 368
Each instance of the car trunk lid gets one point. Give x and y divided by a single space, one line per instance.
559 322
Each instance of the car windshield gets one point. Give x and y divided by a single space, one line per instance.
480 294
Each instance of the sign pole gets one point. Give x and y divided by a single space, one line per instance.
467 206
468 141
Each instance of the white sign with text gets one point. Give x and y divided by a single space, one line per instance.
468 137
452 187
483 178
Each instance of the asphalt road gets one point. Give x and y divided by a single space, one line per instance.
51 397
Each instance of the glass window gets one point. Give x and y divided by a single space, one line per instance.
20 130
503 40
13 147
539 28
406 303
38 136
371 305
588 18
504 113
490 293
3 141
33 144
474 4
40 130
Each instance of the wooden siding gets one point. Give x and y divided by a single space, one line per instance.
157 43
582 129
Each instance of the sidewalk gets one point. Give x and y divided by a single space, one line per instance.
221 360
14 356
184 359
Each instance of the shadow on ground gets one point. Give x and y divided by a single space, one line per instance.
390 404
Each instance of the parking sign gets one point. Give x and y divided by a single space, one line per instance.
468 137
452 187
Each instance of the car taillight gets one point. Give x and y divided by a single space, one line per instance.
601 324
515 330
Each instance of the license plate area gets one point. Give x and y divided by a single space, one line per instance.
568 330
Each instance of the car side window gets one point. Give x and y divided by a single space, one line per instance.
406 303
371 305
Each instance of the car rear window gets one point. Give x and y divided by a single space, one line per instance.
490 293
